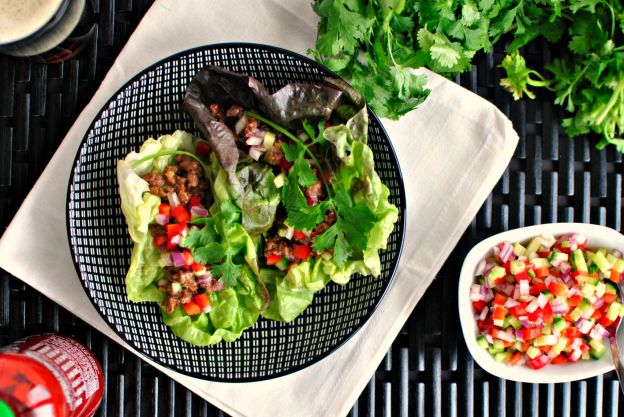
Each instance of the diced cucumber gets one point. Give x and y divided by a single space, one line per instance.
502 357
280 180
533 352
515 323
584 305
601 261
546 340
269 140
611 258
588 290
614 310
482 341
576 314
531 273
548 295
558 348
597 348
519 250
496 273
547 329
600 289
559 324
619 265
496 347
585 356
586 279
540 262
518 346
558 256
282 265
579 260
533 246
610 287
516 267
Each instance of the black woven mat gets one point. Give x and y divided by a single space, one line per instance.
428 371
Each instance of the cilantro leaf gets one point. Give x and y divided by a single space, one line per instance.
326 240
305 176
293 151
209 254
200 237
342 250
228 271
519 76
356 225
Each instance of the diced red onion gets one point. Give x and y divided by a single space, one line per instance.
507 288
575 355
505 337
217 286
165 259
254 141
483 314
524 287
600 332
588 313
559 306
488 267
485 291
511 303
506 252
475 293
565 267
174 200
599 303
524 320
205 279
175 240
579 238
519 337
178 259
240 124
489 338
516 293
541 301
199 211
550 339
616 253
256 152
584 326
207 309
161 219
184 231
546 241
549 279
480 268
533 305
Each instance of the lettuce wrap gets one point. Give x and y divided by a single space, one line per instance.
276 200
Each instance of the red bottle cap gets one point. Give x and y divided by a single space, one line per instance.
5 410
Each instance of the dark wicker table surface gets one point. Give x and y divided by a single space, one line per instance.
427 371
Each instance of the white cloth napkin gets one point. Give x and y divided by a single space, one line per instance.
452 151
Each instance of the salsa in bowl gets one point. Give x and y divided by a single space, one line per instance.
538 304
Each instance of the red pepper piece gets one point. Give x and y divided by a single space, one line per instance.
181 214
192 309
273 259
165 209
301 252
194 201
160 241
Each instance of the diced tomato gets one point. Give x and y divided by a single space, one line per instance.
534 315
494 331
165 209
539 362
160 241
194 201
584 348
530 334
615 276
605 322
181 214
545 348
197 266
555 272
499 314
192 309
171 246
519 310
174 229
301 252
486 324
574 300
542 272
515 358
559 359
479 305
273 259
506 265
522 275
202 148
188 257
310 201
537 288
499 299
543 254
557 288
547 314
299 235
507 344
608 297
285 165
203 301
571 333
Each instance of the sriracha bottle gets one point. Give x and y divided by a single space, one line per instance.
49 375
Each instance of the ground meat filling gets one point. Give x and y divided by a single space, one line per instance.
278 246
186 178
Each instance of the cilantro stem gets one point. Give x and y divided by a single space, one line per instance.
138 162
296 140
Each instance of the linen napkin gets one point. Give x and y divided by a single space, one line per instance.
452 151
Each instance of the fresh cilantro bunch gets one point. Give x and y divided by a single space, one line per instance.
375 44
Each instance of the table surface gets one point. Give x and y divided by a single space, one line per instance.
427 371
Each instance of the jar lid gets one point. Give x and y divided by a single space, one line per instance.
5 410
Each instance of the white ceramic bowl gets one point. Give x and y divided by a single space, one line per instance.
598 236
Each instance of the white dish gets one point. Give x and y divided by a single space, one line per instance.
598 236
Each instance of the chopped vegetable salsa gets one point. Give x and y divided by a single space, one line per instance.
551 301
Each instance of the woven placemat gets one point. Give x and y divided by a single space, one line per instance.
428 371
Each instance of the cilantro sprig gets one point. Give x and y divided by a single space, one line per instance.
212 244
349 233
